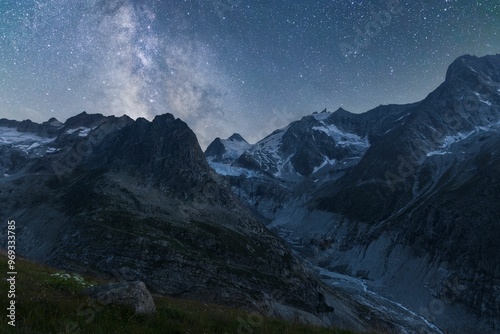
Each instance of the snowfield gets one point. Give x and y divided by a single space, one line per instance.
24 141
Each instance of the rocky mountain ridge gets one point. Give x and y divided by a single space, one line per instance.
402 197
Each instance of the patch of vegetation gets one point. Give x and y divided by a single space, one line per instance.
71 283
47 301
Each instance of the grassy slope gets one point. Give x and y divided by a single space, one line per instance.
48 304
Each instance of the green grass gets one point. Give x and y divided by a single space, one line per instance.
49 302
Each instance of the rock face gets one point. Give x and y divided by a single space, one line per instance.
428 190
137 200
304 147
404 197
132 294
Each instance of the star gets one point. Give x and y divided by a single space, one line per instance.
224 66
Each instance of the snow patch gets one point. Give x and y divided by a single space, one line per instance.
51 150
430 154
24 141
325 162
34 145
85 132
400 118
234 148
343 138
483 101
71 131
266 152
228 170
82 131
450 140
272 143
321 116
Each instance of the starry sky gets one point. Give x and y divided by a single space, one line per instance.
224 66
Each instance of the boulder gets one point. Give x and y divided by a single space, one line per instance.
133 294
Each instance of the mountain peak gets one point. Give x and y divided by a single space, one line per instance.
340 110
237 137
468 68
53 122
85 120
227 149
319 115
164 117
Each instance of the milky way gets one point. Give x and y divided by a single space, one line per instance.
229 66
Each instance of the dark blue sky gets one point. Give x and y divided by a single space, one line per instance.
229 66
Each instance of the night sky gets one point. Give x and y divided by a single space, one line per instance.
229 66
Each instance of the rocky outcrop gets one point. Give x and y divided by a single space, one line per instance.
132 294
216 149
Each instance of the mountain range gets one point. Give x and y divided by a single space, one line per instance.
385 221
402 197
136 200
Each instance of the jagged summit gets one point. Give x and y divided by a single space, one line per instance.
224 150
486 66
165 117
53 120
324 111
341 110
84 120
237 137
299 149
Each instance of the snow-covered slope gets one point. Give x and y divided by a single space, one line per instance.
21 141
304 147
227 150
343 138
221 154
24 141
